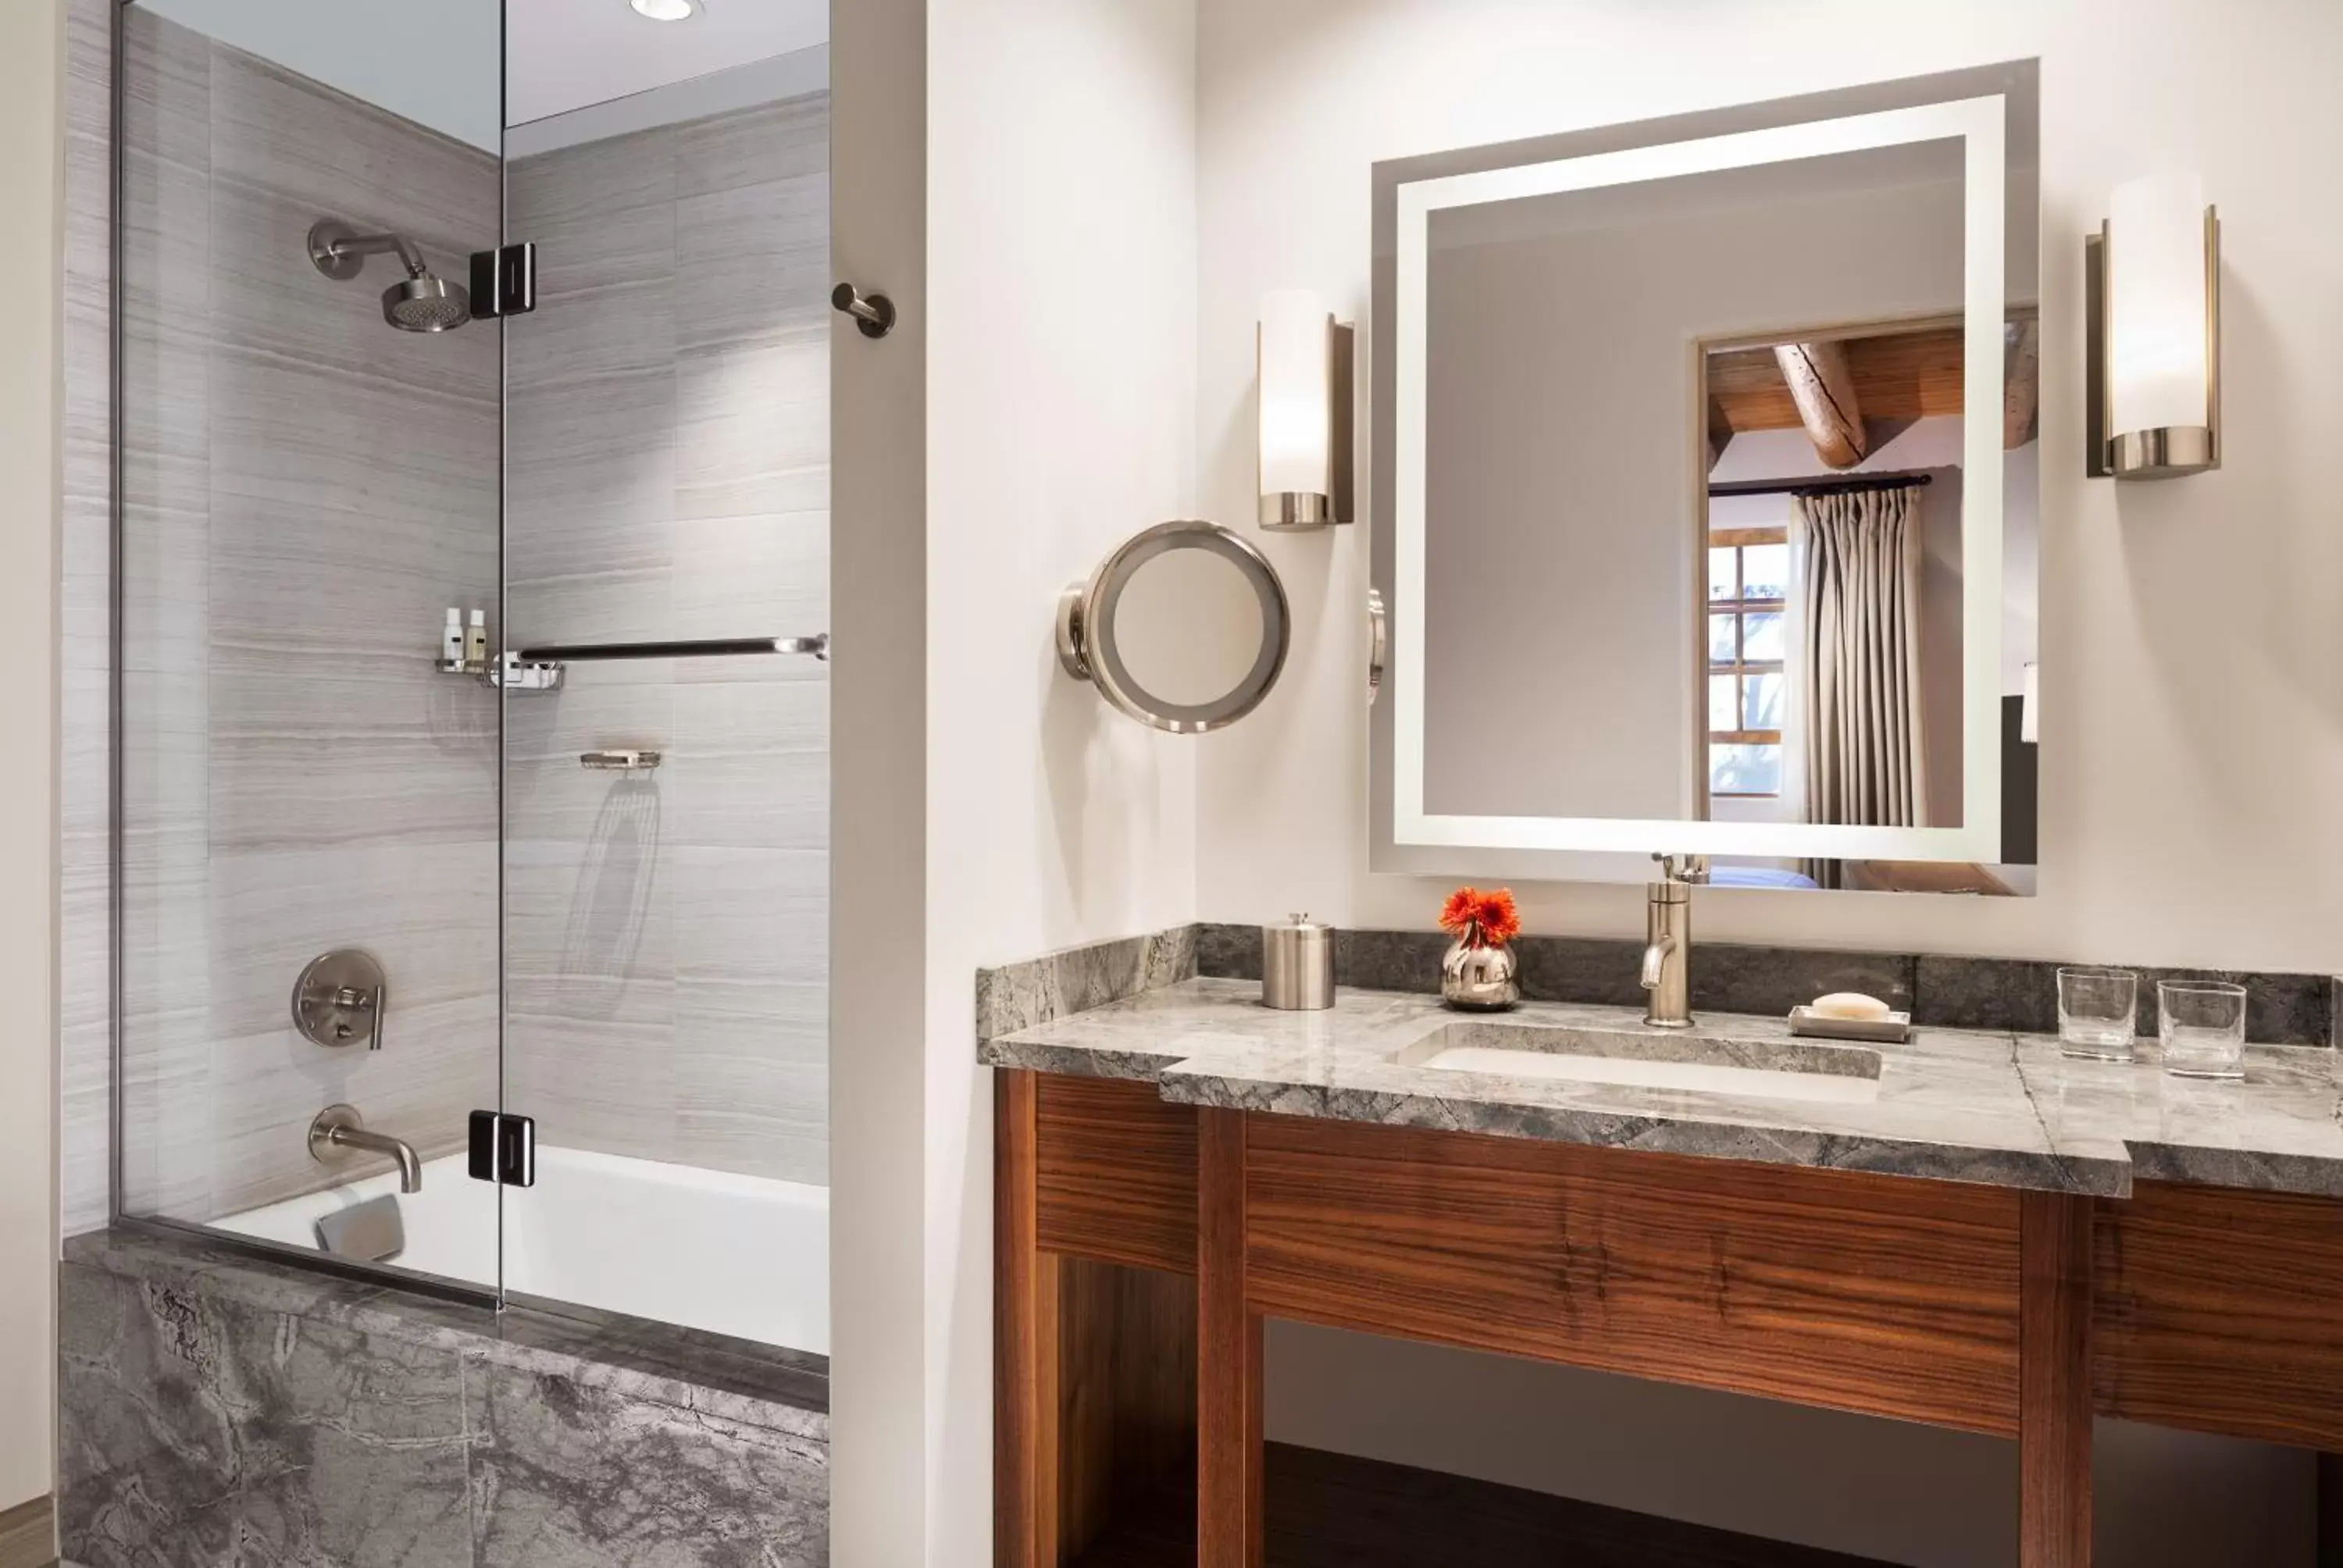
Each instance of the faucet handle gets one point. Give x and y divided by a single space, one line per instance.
1689 869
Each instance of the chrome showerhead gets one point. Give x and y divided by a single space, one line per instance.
424 302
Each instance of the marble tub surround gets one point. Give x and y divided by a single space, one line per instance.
1980 1106
218 1407
2016 995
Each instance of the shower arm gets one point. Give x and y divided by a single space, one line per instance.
338 251
377 245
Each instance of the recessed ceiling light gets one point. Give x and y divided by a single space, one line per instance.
667 10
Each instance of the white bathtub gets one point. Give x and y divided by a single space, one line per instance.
741 1255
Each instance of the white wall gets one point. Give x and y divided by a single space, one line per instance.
1057 330
877 823
32 66
2193 734
2192 750
1061 246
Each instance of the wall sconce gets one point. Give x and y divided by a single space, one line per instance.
2153 304
2029 707
1303 371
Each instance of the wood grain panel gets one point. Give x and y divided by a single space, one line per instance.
1127 1393
1027 1459
2216 1311
1117 1173
1896 375
2054 1382
1869 1293
1229 1487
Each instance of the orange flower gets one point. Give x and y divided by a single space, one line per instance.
1457 915
1494 913
1480 919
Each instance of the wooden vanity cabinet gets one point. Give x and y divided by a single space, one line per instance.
1135 1234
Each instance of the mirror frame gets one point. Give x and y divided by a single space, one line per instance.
1589 847
1088 652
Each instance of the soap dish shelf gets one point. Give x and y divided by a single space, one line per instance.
1896 1029
618 761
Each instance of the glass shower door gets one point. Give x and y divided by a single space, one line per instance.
307 844
666 548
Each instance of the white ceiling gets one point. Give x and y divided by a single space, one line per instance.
434 61
564 55
430 61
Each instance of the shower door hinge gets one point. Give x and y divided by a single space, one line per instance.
504 281
504 1149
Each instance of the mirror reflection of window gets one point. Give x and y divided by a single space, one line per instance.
1748 622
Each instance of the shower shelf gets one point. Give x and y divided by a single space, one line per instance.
509 673
545 669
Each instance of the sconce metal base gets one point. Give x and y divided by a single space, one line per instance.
2169 453
1296 509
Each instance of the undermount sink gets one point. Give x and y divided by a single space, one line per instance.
1634 1056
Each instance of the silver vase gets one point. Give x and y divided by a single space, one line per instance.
1480 979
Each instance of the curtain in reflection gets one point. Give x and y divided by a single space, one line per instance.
1864 748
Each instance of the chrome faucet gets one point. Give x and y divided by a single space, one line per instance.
1667 947
339 1130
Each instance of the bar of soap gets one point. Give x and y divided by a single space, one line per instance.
1849 1004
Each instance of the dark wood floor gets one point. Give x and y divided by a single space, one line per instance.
1328 1511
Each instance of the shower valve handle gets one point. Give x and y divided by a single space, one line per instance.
336 991
350 999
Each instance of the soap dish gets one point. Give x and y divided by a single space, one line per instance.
1896 1029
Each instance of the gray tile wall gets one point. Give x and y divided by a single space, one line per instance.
86 1051
670 478
305 490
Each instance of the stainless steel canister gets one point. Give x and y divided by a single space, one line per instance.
1297 964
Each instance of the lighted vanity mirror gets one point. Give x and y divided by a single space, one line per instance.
1183 627
1705 496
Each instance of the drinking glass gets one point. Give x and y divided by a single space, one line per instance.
2203 1028
2098 1013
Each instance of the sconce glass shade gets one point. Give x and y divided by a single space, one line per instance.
2163 332
2029 710
1303 373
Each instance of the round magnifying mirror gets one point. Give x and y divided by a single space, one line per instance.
1185 627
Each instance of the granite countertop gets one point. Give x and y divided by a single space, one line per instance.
2002 1109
